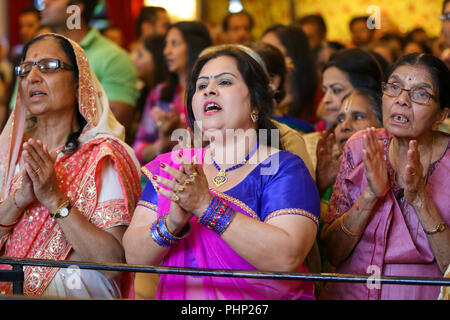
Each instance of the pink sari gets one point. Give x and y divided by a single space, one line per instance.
393 243
203 248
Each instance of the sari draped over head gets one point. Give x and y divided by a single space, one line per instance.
79 176
394 242
287 189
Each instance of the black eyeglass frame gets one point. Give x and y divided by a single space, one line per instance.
58 64
430 96
445 17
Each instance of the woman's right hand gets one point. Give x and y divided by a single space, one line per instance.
166 122
24 196
375 165
327 162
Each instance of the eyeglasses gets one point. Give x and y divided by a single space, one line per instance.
445 16
47 65
420 96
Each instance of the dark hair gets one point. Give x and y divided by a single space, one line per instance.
275 64
149 14
444 4
358 19
72 142
155 45
88 9
31 10
374 97
197 38
303 78
226 19
317 19
362 69
252 72
438 70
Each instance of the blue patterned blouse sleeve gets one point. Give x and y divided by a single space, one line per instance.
149 197
290 190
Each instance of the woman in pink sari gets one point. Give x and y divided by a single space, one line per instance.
241 203
68 182
389 212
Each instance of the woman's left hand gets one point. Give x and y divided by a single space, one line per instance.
40 166
188 188
414 182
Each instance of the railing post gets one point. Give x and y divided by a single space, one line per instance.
18 284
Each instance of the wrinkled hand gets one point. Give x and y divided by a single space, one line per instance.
188 188
166 122
414 182
374 164
40 167
328 160
25 194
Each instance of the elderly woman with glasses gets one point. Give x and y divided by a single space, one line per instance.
389 212
68 182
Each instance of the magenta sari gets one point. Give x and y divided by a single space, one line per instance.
393 243
203 248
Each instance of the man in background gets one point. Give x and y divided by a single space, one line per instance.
361 35
238 27
111 64
315 29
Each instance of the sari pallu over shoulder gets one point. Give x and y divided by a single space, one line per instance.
203 248
39 236
79 177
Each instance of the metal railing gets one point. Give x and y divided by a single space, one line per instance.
16 275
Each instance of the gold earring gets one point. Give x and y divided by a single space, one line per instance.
254 115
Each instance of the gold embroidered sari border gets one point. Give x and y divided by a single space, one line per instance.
148 205
293 211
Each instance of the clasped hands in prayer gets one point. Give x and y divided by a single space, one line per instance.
377 174
188 190
39 179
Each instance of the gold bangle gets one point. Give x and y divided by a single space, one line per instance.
14 199
346 231
7 226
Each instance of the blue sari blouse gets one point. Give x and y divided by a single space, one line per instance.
279 185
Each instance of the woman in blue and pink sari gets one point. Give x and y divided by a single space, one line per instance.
241 203
389 212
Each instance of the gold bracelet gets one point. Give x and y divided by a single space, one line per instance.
346 231
14 199
7 226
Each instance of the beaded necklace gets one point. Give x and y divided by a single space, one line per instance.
221 177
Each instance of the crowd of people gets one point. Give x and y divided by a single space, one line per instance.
288 153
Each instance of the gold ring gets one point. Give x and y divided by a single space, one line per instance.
175 197
37 170
180 188
413 173
187 181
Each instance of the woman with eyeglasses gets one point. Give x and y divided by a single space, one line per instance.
68 182
389 212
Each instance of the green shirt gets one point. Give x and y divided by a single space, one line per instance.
113 67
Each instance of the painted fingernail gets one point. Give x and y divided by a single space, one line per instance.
154 177
157 188
162 165
180 154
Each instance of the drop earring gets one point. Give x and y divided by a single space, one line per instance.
254 115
